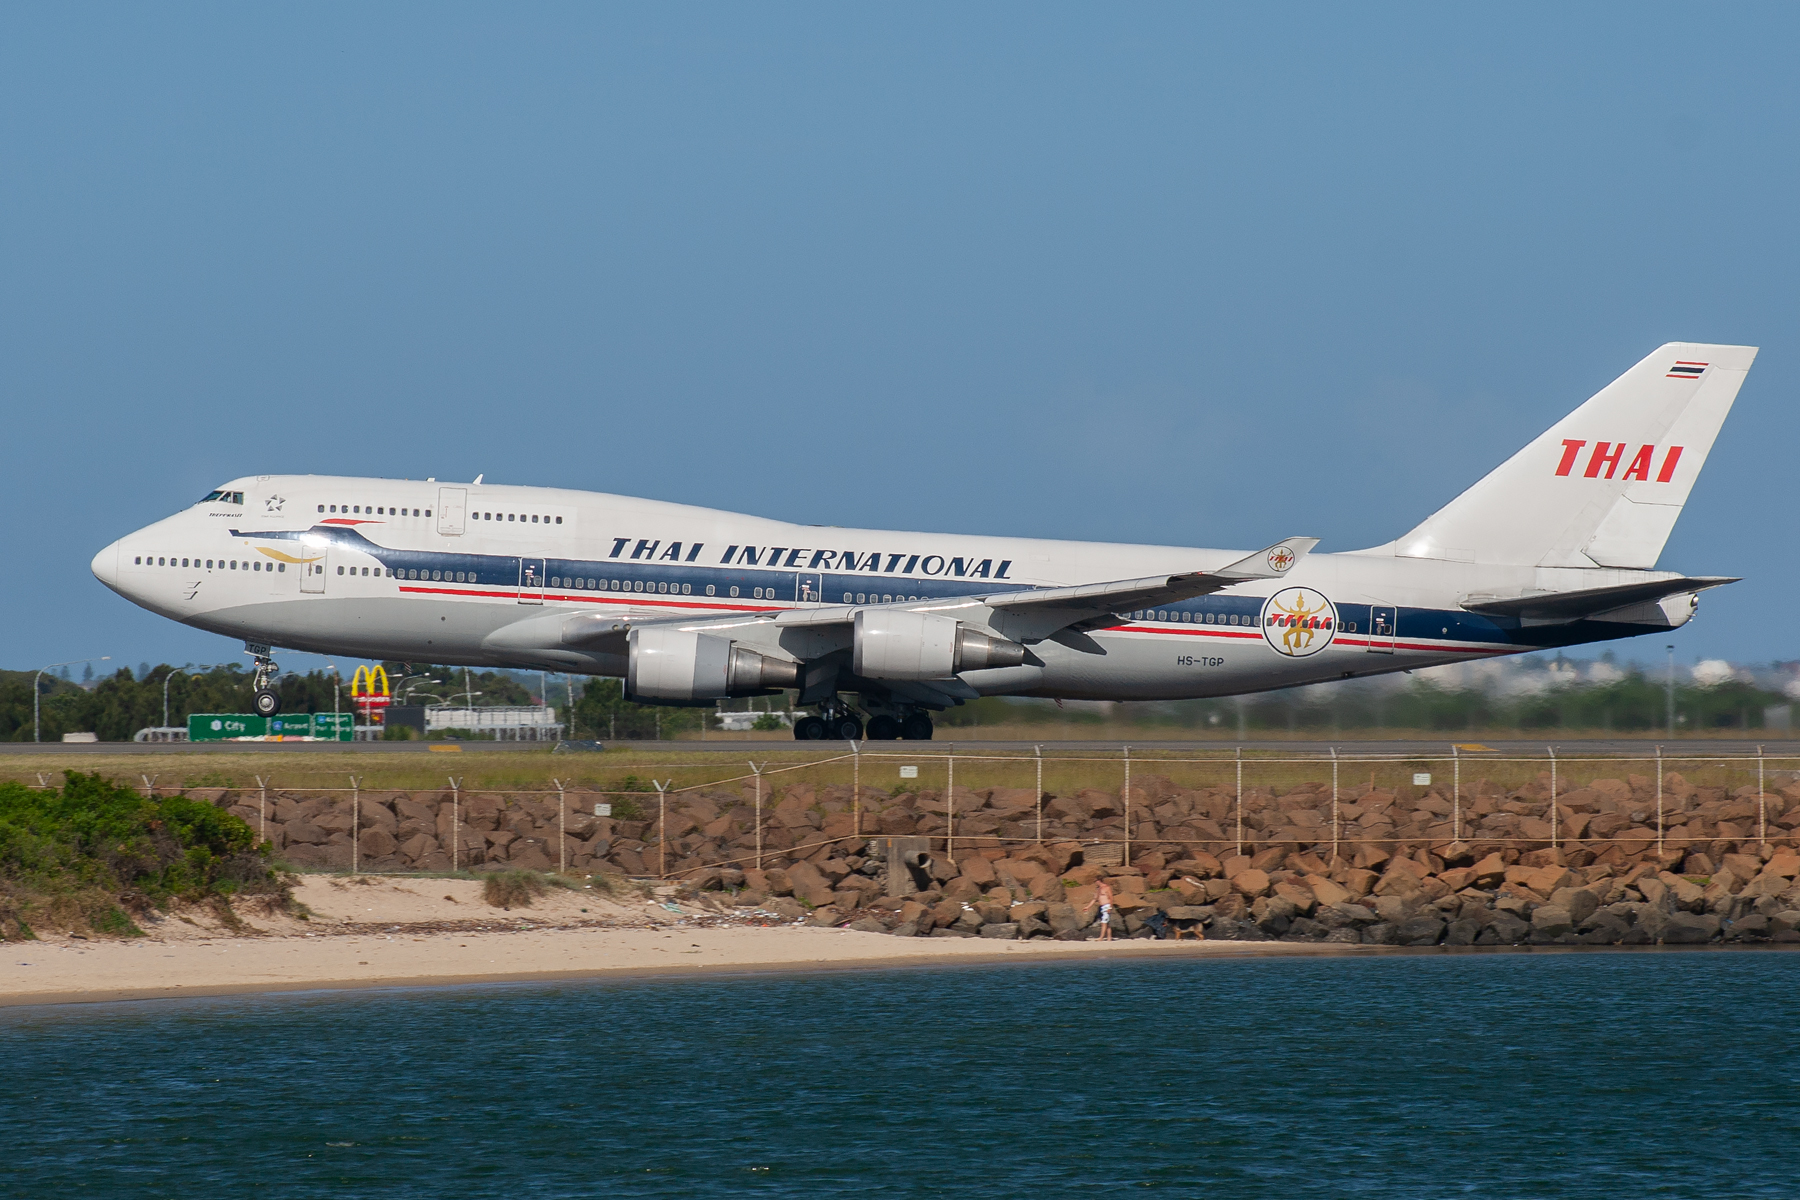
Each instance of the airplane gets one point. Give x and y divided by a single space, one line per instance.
876 630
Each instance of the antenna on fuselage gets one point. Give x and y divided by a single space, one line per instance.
478 480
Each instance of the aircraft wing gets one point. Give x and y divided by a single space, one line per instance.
1030 614
1037 613
1588 602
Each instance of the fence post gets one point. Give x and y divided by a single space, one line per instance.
150 784
1127 799
950 809
1240 800
662 827
1455 792
562 829
1334 806
1762 804
262 807
1039 751
1553 840
1659 815
758 772
455 823
856 791
355 825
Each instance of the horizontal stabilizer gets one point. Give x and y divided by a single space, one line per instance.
1589 602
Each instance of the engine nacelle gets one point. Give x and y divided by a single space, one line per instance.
679 665
895 644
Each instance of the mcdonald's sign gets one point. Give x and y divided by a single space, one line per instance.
369 689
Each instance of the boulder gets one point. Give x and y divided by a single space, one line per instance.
1462 932
1579 903
1419 931
1683 928
825 917
377 843
1324 890
1250 883
1490 872
1302 898
1551 921
1001 931
977 870
1507 929
304 833
786 908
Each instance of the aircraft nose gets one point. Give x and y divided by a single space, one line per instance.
106 566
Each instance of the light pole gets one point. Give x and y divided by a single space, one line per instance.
173 672
1671 650
38 678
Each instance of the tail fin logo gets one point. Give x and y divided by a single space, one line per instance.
1604 459
1298 621
1687 370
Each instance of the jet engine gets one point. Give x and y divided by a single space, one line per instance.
677 666
895 644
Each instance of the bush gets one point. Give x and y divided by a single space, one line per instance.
90 851
505 889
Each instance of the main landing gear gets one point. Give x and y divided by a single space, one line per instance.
913 727
267 701
834 723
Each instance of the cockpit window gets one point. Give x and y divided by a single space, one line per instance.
223 498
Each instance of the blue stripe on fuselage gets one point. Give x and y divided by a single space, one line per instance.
502 572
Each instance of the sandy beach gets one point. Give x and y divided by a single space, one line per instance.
405 932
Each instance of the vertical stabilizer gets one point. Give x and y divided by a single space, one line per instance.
1603 487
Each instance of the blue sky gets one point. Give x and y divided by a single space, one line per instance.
1159 273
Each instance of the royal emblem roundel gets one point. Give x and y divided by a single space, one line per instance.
1298 621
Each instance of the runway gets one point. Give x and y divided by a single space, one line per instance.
1573 747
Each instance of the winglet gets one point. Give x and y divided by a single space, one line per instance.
1272 563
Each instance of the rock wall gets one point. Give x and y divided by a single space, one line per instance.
1405 873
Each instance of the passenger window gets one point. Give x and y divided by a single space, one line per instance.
734 592
709 589
282 567
559 520
687 589
321 508
340 570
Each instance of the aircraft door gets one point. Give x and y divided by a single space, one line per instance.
451 505
1383 621
312 571
531 581
807 588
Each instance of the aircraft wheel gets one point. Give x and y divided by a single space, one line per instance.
847 729
809 729
916 728
884 729
266 702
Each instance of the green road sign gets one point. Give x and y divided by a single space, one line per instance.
217 727
340 727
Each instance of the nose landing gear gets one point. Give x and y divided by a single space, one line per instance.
267 701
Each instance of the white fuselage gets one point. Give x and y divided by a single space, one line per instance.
476 574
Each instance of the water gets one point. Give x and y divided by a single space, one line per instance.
1555 1075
